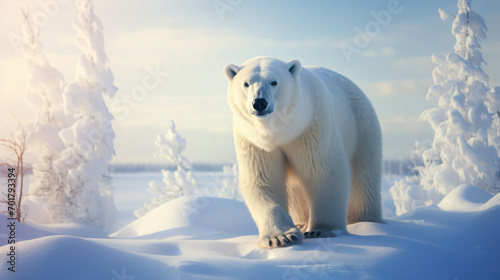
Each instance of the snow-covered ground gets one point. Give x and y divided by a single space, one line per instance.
200 237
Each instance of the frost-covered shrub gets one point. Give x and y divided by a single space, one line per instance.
12 170
465 122
408 194
176 183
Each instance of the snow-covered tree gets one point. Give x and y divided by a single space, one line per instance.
176 183
89 140
45 87
82 191
465 122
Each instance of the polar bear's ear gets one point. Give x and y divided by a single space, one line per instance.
231 70
294 67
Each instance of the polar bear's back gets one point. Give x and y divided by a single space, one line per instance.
333 79
358 121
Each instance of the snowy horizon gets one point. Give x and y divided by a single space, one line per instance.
178 44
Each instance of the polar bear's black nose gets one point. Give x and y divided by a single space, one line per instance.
259 104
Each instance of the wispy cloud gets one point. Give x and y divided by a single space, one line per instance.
385 51
418 64
401 87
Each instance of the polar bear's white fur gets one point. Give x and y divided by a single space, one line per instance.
308 144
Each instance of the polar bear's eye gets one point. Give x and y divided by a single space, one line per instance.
274 83
246 84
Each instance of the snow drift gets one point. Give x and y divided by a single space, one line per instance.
198 237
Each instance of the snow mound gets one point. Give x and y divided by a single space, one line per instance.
24 232
66 257
494 201
221 215
426 243
198 237
465 198
79 229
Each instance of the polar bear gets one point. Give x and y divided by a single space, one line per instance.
308 145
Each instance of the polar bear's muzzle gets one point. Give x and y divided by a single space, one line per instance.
260 105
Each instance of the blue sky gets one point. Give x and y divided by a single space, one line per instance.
192 41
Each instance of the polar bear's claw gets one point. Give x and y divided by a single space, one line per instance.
287 241
321 233
281 240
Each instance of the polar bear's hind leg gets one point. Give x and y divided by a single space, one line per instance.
366 167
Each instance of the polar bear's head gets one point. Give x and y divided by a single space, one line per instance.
264 95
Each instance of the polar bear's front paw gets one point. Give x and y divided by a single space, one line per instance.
288 238
322 233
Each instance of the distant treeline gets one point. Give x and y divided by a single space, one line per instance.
390 167
150 167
